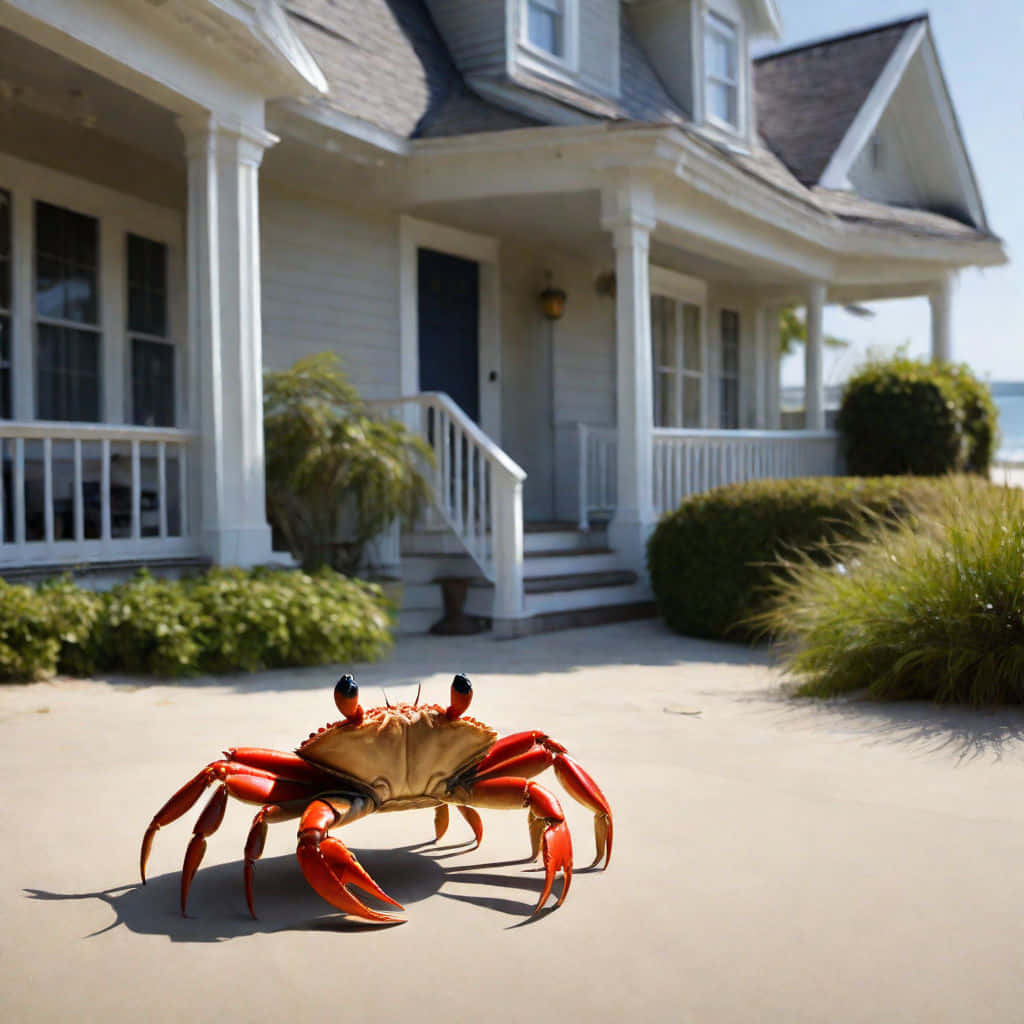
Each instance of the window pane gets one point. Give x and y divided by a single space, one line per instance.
663 331
5 250
693 356
68 377
691 401
152 383
147 286
730 410
722 101
5 368
544 28
730 342
67 278
664 399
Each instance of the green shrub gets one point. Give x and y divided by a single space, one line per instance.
29 644
979 416
151 626
932 609
273 619
711 559
75 615
901 416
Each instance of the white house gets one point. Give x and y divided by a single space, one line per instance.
193 191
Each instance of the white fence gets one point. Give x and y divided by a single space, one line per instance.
478 490
83 492
691 461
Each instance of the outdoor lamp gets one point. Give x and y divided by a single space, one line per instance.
552 301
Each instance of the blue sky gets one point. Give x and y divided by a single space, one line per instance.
981 47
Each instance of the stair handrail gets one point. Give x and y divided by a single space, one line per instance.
477 490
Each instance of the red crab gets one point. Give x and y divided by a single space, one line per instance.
394 758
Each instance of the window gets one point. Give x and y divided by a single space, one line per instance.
152 353
67 314
5 305
678 362
721 70
729 409
545 26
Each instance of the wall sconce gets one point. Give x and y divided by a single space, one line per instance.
604 284
552 301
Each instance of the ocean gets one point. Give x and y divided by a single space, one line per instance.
1009 398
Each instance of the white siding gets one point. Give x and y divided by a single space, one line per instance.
474 33
555 374
665 31
330 283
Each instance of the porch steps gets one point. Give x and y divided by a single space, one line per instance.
571 578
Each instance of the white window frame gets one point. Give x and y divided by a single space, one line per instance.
538 58
717 25
118 214
683 291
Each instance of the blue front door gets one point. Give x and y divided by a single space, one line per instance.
449 315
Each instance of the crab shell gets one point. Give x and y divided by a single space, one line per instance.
404 756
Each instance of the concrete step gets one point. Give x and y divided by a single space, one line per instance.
562 539
569 562
548 601
579 618
579 581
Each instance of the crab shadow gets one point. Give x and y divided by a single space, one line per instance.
285 902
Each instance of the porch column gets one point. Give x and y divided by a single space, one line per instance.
941 300
814 379
225 335
761 367
628 214
773 371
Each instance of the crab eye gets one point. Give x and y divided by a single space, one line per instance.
346 696
462 694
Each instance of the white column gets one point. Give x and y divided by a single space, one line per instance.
225 335
814 379
628 214
941 300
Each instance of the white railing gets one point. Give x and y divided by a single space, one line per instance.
477 490
85 492
597 450
691 461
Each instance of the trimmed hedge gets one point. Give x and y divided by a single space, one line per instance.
712 559
906 416
226 620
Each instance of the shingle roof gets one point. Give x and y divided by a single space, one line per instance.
808 96
386 64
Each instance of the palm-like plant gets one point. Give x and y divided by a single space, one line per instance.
336 476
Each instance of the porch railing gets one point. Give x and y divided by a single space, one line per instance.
691 461
477 489
85 492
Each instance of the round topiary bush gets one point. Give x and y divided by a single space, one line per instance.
901 416
979 416
712 559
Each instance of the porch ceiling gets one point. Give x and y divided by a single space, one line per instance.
38 81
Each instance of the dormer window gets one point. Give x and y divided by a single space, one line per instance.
545 26
722 71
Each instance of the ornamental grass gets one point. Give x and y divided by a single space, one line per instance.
929 609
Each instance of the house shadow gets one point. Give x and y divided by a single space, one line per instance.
284 901
645 643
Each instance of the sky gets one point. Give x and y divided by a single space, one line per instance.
981 49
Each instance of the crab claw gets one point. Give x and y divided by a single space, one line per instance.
329 871
557 847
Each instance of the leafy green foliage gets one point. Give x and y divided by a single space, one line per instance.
227 620
793 332
711 560
336 476
933 609
902 416
29 644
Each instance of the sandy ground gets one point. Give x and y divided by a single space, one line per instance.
774 861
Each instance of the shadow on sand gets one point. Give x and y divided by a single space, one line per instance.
284 901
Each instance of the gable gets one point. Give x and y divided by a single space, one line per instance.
807 98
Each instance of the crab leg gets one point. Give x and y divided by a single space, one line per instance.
251 785
526 754
546 821
257 840
329 866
